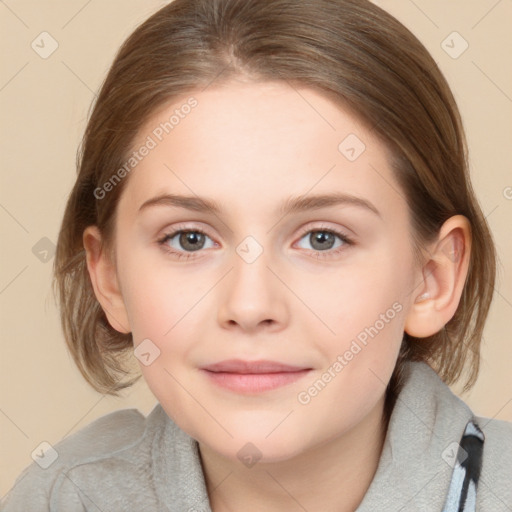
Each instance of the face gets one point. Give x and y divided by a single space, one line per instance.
324 286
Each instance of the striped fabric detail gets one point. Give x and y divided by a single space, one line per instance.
466 472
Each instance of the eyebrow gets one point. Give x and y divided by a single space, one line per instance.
291 205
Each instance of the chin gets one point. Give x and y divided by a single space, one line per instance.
258 445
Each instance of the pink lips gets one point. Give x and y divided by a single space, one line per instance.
253 376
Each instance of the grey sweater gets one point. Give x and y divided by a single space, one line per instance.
124 461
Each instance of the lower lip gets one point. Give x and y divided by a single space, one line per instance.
254 382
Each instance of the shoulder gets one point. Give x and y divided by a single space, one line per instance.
498 435
495 484
115 435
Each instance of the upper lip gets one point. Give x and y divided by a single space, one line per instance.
260 366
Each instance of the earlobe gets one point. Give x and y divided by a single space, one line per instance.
104 280
442 279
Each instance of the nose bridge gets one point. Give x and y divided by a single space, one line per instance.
252 277
252 294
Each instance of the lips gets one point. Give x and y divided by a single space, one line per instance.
253 377
252 367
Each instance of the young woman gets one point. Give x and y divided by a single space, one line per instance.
273 214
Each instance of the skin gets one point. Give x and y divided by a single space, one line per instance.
250 147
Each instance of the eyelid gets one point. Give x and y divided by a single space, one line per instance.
348 240
324 226
172 230
310 227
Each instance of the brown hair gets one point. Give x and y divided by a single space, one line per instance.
353 52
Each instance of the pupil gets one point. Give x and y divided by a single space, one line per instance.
191 240
323 238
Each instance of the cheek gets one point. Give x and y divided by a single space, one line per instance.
158 298
164 307
365 308
357 296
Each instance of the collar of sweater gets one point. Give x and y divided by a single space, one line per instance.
414 469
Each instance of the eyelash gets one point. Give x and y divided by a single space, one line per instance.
188 255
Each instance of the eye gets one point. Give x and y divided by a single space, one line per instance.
185 242
323 240
190 240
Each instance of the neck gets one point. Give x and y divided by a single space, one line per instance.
331 477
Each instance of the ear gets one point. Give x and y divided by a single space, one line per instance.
104 280
442 279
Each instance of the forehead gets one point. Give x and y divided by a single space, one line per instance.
270 140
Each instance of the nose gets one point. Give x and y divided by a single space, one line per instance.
252 296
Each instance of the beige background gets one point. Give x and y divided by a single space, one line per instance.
44 104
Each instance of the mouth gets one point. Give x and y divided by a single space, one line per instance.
253 377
